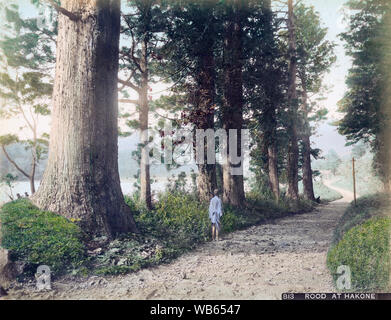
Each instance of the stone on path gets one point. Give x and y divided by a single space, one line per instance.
7 268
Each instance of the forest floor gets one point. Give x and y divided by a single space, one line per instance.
261 262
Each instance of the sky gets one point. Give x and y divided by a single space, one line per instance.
327 136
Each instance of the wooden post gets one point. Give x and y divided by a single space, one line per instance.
354 183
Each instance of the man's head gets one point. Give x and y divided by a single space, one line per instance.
216 192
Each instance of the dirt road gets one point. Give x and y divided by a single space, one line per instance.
262 262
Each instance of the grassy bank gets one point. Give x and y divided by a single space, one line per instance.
325 193
361 241
177 224
36 237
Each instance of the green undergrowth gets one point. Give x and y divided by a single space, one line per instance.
375 205
361 242
35 237
177 224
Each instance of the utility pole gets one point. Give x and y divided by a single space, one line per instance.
354 182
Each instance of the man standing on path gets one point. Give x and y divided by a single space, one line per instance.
215 212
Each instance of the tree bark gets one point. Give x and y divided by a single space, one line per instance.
307 170
273 172
145 180
206 181
81 180
271 127
203 118
32 177
34 159
293 149
308 187
269 144
232 113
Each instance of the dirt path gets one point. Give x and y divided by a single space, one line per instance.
288 255
347 196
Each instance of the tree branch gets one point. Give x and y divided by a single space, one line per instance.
128 101
131 52
46 33
165 117
128 83
128 80
25 117
14 163
135 59
65 12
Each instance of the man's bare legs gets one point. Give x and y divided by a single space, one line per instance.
215 232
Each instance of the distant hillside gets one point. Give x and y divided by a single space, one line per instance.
22 158
127 165
340 169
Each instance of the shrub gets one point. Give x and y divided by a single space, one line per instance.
365 249
184 217
234 219
269 208
178 219
366 207
38 237
182 220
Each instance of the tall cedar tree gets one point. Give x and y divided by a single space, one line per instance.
315 56
366 103
232 108
293 152
190 56
264 93
81 180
